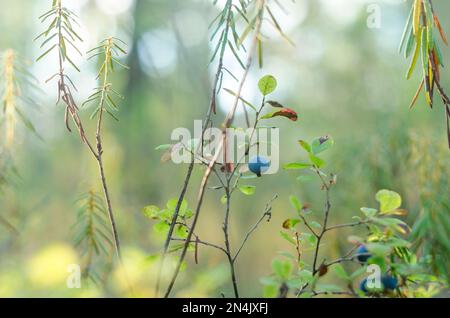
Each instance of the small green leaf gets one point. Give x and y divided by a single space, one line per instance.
161 227
379 249
305 145
267 84
305 275
321 144
295 202
270 291
287 237
247 189
319 163
290 223
296 166
340 272
369 212
389 200
151 211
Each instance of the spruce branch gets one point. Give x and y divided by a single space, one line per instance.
61 32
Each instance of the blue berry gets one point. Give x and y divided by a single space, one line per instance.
258 165
362 254
363 287
389 282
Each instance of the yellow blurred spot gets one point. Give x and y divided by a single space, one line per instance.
49 267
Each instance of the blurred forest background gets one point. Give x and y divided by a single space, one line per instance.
344 79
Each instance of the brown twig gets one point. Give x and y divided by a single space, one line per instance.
267 214
327 208
225 228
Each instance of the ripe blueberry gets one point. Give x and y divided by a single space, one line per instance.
362 254
258 165
389 282
363 287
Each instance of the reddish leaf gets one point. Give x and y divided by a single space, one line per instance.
285 112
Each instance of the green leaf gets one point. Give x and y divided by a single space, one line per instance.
311 238
246 31
161 227
181 231
296 166
389 200
305 275
415 56
407 30
393 223
340 272
267 84
295 202
319 163
247 189
369 212
321 144
287 237
282 269
172 204
270 291
151 211
305 146
379 249
45 53
290 223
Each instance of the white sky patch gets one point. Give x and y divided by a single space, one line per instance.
114 7
289 18
157 51
342 11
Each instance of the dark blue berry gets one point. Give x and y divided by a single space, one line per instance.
363 287
389 282
258 165
362 254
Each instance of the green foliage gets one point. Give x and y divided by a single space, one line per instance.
389 201
386 242
164 216
105 96
421 30
430 234
60 32
92 235
267 85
